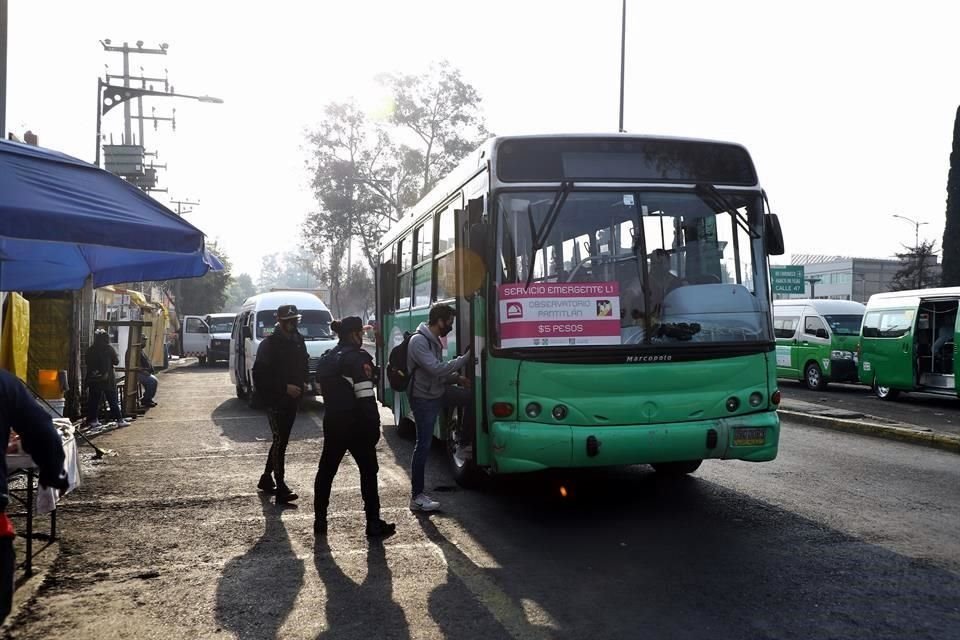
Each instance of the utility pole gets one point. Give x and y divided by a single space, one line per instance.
126 51
813 284
3 69
183 207
623 58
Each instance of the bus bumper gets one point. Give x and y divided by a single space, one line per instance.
519 447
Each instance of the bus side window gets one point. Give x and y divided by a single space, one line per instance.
445 266
423 275
405 279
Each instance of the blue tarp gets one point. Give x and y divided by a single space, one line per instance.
63 220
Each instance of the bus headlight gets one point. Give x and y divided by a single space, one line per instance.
841 355
756 398
533 409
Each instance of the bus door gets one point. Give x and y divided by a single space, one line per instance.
893 353
470 278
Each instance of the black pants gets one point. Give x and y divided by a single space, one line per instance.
281 423
342 433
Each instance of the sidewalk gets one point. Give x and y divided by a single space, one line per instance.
820 415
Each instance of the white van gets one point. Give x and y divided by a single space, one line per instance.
221 326
257 319
817 340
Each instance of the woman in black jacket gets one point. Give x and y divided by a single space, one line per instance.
101 379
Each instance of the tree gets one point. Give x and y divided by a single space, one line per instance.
290 269
951 230
443 112
917 268
366 174
208 293
240 289
356 293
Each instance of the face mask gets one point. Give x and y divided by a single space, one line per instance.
446 329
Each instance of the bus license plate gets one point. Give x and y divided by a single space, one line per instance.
749 437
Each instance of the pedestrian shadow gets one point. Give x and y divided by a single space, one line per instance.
360 611
258 590
240 423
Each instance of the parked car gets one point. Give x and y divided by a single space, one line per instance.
221 326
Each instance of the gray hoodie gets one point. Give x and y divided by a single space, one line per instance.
425 363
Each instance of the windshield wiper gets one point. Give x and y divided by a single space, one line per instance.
714 194
540 235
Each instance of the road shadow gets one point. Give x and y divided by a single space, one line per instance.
240 423
360 611
258 590
606 552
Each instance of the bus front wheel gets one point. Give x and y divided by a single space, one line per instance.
813 376
676 468
885 393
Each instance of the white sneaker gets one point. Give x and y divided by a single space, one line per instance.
123 422
423 502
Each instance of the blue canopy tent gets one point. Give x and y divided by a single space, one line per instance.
63 221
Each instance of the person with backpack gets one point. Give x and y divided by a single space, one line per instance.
351 422
101 380
430 386
279 376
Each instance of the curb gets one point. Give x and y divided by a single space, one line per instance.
933 439
173 365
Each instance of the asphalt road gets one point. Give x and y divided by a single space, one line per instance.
842 536
924 410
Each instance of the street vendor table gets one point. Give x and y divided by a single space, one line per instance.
37 500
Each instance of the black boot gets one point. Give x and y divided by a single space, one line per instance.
380 529
266 484
284 494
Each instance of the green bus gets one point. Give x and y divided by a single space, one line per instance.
908 342
615 291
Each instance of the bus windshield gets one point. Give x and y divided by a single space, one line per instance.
845 325
630 268
314 324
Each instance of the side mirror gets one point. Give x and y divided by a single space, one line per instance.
822 333
246 332
774 235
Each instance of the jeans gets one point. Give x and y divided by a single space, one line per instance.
149 383
342 433
425 412
281 424
95 397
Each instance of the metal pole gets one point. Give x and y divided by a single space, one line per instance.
126 105
623 54
99 120
3 69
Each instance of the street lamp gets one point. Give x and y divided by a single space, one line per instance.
109 96
916 229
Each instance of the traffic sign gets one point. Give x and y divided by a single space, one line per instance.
787 279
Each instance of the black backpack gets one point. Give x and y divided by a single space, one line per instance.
329 375
397 372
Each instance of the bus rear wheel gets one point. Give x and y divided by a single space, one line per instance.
460 456
813 377
676 468
885 393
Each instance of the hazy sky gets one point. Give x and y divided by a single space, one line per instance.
846 107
